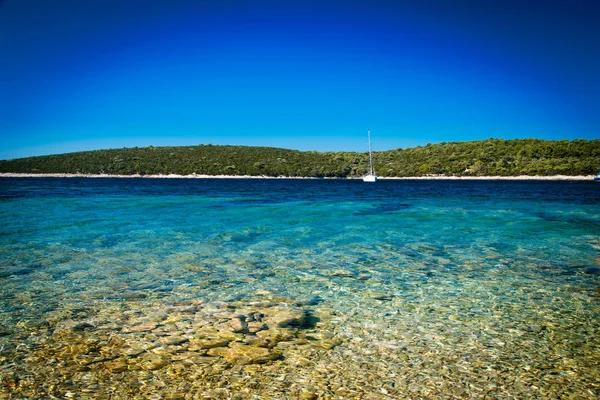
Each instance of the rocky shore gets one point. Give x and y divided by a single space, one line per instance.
429 177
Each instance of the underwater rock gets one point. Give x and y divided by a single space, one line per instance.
134 296
253 340
153 362
33 325
285 317
276 335
133 351
142 327
82 326
198 359
308 301
255 326
173 340
164 351
239 324
382 296
592 270
243 354
307 394
116 365
208 343
325 344
68 326
5 273
224 334
341 272
212 338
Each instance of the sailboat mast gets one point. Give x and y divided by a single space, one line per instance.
370 153
370 176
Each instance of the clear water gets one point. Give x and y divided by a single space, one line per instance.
441 285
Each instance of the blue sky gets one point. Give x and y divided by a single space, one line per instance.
308 75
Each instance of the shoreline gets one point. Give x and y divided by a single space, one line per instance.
175 176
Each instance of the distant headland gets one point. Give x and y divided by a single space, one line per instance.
486 159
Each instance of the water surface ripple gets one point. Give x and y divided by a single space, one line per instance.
334 289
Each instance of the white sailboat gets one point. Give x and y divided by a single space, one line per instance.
370 177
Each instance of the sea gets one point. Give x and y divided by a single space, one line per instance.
299 289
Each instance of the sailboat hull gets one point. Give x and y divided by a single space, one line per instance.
370 178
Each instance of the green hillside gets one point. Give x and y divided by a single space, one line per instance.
477 158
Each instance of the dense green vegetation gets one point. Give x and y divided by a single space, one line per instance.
477 158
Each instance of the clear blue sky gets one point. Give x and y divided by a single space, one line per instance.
307 75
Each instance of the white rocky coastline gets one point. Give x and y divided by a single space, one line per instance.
428 177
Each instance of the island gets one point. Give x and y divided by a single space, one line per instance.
518 158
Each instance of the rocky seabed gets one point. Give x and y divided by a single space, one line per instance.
274 348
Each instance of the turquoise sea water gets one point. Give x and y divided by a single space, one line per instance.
449 289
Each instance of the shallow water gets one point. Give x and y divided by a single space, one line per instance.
406 289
